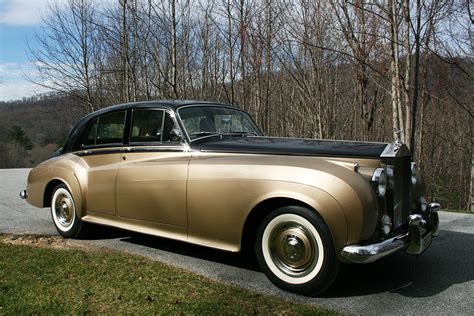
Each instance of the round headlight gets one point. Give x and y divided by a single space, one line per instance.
380 180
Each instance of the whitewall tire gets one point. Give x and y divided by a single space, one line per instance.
64 213
294 248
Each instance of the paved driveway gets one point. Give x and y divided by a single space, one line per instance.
441 281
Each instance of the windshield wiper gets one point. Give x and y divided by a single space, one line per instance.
243 133
205 133
202 135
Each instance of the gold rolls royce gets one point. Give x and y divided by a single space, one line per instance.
204 173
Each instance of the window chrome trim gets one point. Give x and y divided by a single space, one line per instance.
132 149
145 149
99 151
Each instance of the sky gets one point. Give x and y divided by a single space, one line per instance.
19 20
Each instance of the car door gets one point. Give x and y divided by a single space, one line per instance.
102 150
152 176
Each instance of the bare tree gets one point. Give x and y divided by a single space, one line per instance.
67 48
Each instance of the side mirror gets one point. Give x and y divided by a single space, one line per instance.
175 135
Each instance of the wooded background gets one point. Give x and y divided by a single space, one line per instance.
303 68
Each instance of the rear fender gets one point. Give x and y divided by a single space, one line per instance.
40 180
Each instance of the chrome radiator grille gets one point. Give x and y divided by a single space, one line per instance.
401 190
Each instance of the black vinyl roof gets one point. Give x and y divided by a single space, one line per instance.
164 104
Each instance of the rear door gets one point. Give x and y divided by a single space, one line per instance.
102 150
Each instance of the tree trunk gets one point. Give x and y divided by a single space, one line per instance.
397 115
406 90
416 74
174 74
125 76
243 53
471 183
231 54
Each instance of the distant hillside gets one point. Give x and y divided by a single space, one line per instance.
45 121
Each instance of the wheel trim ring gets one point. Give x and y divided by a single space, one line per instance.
308 272
63 209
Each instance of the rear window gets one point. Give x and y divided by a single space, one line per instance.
106 129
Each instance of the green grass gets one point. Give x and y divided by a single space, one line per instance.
38 280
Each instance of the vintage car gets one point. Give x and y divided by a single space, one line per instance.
204 173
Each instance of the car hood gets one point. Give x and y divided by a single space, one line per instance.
289 146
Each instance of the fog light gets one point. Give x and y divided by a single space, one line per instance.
386 224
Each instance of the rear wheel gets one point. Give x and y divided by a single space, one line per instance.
295 250
63 212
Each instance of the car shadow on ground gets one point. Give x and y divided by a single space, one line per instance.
447 262
239 260
99 232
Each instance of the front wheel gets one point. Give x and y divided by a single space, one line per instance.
63 212
294 248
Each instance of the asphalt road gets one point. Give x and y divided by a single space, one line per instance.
441 281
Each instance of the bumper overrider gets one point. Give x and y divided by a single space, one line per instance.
421 229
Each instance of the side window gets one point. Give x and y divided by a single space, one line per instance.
147 126
107 129
110 128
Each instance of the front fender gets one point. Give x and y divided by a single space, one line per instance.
354 194
321 201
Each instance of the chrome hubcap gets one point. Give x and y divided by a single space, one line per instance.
293 249
64 210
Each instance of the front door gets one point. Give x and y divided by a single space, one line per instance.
152 177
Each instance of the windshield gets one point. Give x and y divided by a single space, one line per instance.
200 121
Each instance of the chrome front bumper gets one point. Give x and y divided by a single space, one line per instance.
421 229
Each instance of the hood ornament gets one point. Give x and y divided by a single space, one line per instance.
398 142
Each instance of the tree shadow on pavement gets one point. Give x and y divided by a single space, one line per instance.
448 261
